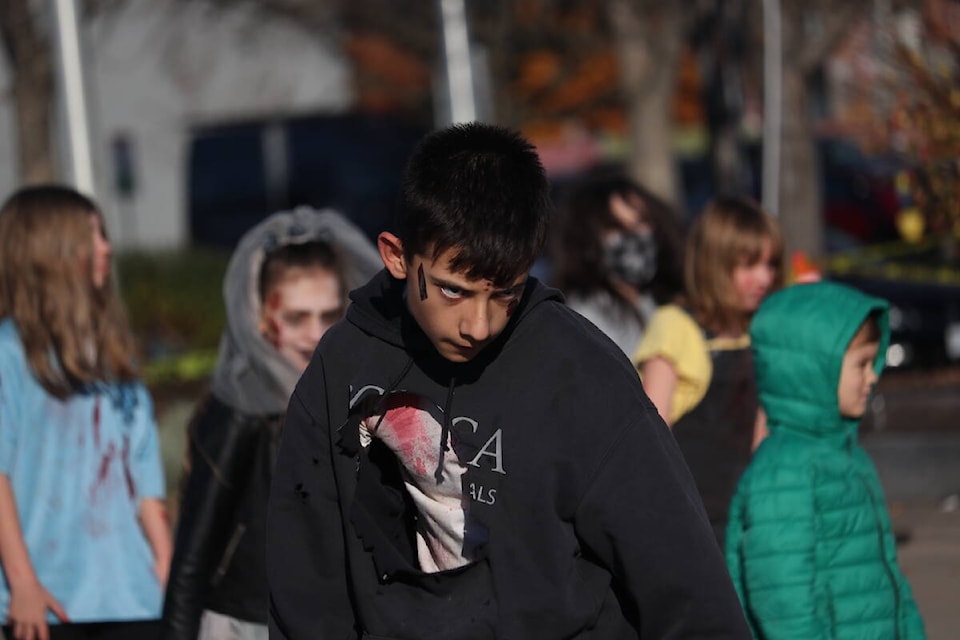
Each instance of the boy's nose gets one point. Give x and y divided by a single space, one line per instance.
475 325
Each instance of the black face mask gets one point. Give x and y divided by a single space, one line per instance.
631 257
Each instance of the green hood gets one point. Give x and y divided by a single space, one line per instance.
799 336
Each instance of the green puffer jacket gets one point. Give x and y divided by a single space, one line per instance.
809 542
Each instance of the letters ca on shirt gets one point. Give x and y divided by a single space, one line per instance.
450 466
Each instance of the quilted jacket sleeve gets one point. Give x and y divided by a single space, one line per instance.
911 624
734 537
771 553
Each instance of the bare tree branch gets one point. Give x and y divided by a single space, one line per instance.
836 21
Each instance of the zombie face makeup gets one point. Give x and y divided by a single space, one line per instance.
299 310
460 315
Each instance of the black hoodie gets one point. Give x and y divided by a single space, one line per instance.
579 516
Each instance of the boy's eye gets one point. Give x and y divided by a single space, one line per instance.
508 294
451 292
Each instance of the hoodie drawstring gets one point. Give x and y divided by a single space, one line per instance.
382 404
445 431
445 427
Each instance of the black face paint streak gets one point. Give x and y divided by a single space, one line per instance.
423 282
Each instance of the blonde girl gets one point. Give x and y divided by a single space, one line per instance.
84 541
695 358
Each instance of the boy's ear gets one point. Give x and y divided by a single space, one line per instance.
391 252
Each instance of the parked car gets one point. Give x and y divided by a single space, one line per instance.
860 201
239 173
923 288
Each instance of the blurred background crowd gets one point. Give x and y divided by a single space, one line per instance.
191 122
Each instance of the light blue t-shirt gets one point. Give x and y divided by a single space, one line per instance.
78 469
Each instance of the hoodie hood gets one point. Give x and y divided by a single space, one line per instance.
799 336
251 375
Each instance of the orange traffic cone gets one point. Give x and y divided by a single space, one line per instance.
803 269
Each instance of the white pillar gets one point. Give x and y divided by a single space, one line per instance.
459 69
772 104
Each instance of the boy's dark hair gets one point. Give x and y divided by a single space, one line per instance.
480 190
867 333
315 254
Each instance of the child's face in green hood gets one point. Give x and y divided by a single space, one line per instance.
857 374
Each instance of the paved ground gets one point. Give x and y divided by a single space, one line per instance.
930 558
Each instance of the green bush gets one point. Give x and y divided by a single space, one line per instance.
175 306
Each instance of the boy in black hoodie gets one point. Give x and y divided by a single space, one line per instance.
467 458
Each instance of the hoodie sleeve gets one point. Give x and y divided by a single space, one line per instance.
643 519
306 564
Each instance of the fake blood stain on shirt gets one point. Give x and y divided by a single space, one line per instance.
406 428
96 422
127 476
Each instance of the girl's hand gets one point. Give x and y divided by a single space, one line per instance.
156 527
28 611
161 568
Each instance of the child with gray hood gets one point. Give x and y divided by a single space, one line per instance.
286 284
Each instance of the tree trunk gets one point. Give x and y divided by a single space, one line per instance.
800 199
31 62
810 31
652 162
648 42
33 92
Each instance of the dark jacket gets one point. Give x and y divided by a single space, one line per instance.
219 561
580 519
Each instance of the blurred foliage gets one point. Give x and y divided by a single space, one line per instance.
192 366
926 123
175 306
921 125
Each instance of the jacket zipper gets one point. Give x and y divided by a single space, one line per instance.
883 559
228 554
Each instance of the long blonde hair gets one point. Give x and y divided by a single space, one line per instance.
73 333
730 232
